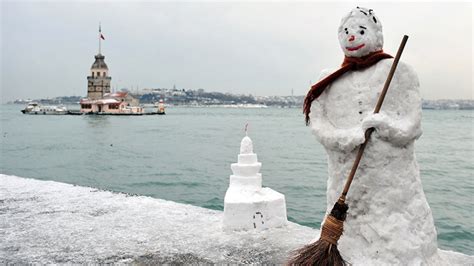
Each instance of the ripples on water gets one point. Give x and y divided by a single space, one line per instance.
185 156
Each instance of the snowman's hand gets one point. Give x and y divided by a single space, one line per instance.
380 122
399 132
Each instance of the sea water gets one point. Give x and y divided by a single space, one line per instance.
185 156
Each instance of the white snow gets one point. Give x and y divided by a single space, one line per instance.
246 146
389 220
50 222
248 206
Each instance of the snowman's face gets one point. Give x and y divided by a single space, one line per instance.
360 35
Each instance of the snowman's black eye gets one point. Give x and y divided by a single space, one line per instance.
362 32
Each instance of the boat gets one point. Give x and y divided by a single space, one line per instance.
34 108
160 107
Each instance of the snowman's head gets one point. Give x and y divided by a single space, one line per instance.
360 33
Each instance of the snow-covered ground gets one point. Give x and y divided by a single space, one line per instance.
51 222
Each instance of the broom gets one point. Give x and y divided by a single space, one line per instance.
324 251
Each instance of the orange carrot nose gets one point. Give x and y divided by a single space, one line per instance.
351 38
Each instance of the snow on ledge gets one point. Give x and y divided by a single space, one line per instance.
52 222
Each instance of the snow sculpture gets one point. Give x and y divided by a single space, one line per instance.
389 220
246 204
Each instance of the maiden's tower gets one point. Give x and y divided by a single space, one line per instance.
99 99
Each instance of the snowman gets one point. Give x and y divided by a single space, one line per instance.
389 220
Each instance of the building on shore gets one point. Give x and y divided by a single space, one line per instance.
112 103
99 98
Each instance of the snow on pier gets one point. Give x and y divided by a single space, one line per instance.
52 222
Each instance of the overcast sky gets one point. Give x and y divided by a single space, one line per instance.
265 48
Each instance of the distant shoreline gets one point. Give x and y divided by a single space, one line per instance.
201 98
255 106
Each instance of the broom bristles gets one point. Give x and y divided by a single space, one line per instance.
324 252
321 253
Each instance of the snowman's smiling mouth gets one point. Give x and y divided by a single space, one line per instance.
356 47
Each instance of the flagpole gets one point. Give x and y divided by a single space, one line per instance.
100 32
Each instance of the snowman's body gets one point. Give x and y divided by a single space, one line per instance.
389 220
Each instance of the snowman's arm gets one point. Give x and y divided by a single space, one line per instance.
328 135
399 122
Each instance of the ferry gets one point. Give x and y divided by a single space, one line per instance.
36 109
160 106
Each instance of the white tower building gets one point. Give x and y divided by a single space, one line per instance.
246 204
98 83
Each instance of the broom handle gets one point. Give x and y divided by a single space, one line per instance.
369 131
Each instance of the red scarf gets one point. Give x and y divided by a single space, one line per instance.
350 63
